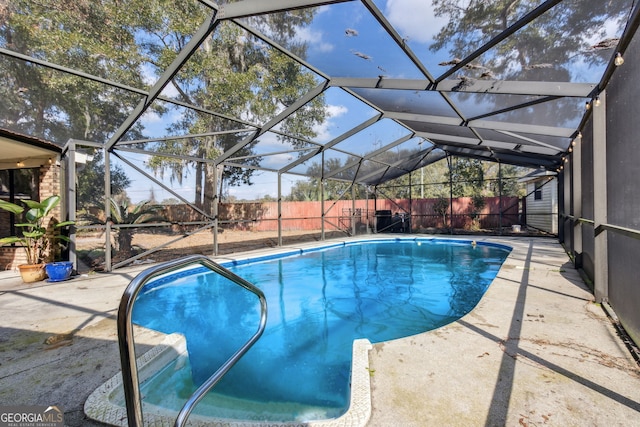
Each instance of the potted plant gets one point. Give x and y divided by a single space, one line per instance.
34 239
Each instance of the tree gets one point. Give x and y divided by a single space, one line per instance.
337 186
428 182
304 190
441 207
152 196
556 37
547 49
397 188
90 186
434 181
478 203
98 38
309 190
234 74
122 214
467 176
95 37
508 180
471 177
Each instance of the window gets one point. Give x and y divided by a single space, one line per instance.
16 185
537 194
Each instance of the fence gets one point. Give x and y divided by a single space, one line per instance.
359 214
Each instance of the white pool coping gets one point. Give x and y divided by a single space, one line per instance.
102 405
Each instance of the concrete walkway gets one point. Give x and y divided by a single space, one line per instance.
535 351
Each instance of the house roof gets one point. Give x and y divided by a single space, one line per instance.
25 151
537 175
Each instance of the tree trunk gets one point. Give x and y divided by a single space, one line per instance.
198 195
210 190
125 238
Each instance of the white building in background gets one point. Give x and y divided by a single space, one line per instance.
542 200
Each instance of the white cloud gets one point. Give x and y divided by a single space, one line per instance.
608 30
155 124
336 110
150 116
170 91
323 130
314 39
414 19
325 47
148 75
276 161
150 78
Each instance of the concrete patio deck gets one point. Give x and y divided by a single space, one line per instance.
535 351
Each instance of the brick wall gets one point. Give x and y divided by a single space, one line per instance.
50 185
11 257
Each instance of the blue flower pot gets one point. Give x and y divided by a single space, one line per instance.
59 271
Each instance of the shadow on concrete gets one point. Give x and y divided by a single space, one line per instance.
503 389
43 368
40 365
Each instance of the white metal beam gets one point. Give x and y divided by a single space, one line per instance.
524 128
183 56
483 124
425 118
509 87
448 138
245 8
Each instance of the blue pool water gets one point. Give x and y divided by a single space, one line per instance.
319 301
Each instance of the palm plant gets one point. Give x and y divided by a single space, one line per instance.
35 240
123 215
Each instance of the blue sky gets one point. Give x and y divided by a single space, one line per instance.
344 40
327 38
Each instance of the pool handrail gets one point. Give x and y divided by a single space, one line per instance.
127 346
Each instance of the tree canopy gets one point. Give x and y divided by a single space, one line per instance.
246 81
233 73
36 100
237 75
550 48
90 187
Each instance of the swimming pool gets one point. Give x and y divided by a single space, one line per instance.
319 301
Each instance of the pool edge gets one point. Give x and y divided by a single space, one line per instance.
100 407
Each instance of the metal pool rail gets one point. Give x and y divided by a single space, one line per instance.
126 343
